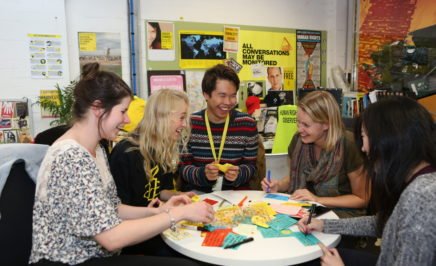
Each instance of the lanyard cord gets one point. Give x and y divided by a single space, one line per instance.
223 138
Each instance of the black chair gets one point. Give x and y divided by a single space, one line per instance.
49 136
16 205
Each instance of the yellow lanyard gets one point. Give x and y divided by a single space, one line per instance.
223 138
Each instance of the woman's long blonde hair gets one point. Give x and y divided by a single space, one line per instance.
322 107
154 135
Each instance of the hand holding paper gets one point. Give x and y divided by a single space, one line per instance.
223 167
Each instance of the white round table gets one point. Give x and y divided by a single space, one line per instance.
261 251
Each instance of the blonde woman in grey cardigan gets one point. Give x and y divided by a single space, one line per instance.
398 137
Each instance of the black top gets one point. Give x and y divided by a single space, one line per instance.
49 136
127 167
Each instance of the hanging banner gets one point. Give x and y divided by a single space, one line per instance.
286 128
308 59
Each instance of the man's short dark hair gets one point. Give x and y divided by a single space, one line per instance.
215 73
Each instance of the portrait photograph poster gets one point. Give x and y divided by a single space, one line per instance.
163 48
268 83
166 79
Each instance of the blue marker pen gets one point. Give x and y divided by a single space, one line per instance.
268 177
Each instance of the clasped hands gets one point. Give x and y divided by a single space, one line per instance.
230 171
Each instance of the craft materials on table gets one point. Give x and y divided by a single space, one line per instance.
238 223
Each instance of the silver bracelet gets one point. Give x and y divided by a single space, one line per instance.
172 220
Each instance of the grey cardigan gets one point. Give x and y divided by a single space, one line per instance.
409 237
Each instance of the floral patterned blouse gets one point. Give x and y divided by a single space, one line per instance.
75 200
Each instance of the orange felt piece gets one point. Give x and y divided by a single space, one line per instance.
216 237
210 201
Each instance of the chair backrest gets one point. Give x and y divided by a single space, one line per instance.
260 165
16 205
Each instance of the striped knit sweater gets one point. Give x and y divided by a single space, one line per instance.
240 149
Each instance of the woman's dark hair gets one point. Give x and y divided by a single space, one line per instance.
156 44
401 134
95 85
215 73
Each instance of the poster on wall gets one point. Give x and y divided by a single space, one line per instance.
233 64
308 59
14 121
160 41
165 79
201 49
267 125
7 109
193 89
259 50
51 95
286 128
45 56
231 39
250 94
101 47
395 49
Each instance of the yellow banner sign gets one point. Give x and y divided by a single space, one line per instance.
266 49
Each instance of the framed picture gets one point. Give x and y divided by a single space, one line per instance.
169 79
202 46
10 136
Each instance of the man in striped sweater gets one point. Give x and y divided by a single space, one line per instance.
222 150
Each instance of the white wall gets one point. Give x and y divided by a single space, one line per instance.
68 17
329 15
65 18
109 16
17 19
